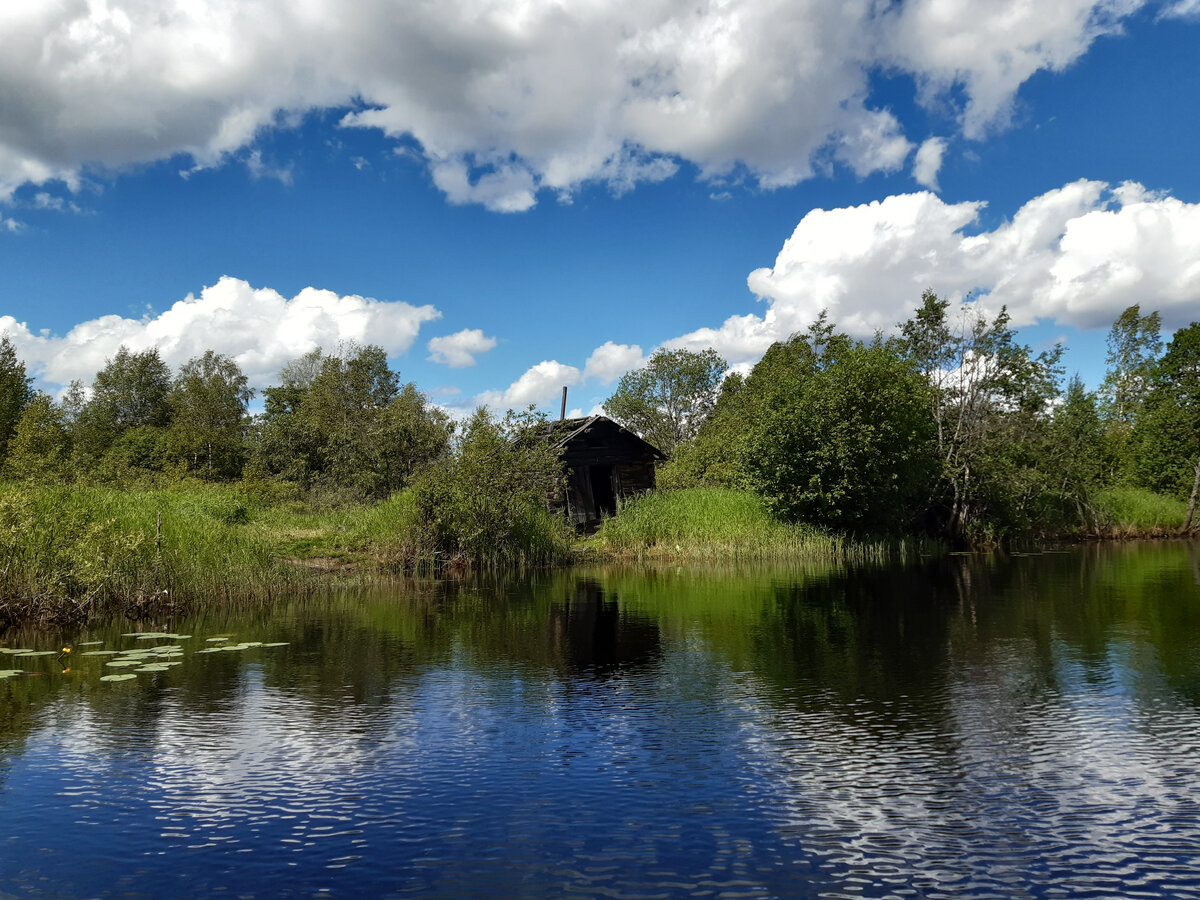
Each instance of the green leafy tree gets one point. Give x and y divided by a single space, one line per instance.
486 501
844 437
344 422
40 447
1134 346
130 392
208 403
668 399
991 405
1167 438
1076 452
15 392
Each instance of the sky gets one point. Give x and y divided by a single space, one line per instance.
510 196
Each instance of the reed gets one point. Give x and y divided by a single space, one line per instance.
1134 512
723 523
70 552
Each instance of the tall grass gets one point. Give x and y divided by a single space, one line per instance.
68 552
1134 512
722 523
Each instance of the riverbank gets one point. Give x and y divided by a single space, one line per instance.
71 553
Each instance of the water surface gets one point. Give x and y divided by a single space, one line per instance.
970 727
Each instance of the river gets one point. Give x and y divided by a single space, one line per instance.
970 726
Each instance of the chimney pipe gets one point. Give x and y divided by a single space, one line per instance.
563 413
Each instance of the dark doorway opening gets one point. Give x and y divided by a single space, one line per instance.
602 491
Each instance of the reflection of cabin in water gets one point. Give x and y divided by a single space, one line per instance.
604 464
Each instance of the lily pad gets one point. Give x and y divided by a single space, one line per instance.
123 663
101 653
152 635
214 640
89 643
29 653
9 673
124 676
153 667
277 644
15 650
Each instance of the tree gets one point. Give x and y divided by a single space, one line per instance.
343 421
991 405
843 435
668 399
208 404
40 446
1134 345
1075 456
487 500
130 392
1167 438
15 392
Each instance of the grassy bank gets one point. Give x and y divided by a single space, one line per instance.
71 552
720 523
74 552
1133 512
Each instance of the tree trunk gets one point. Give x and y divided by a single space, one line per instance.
1187 526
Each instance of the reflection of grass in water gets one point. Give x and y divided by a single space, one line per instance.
721 523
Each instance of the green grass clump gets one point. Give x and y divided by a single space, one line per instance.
78 550
720 523
1128 511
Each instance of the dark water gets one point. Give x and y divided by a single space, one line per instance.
969 727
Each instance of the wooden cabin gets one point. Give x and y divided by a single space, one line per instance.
604 463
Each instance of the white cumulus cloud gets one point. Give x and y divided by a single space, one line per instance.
258 327
1076 255
928 162
610 361
541 385
459 350
506 99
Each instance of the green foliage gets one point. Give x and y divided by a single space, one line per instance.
130 392
1075 454
828 430
844 439
15 393
208 405
81 550
40 447
344 424
1134 345
1167 437
486 502
666 400
991 406
1124 511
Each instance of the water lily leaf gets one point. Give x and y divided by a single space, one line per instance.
101 653
153 635
15 650
277 644
28 653
214 640
211 650
9 673
124 676
154 667
89 643
179 637
123 663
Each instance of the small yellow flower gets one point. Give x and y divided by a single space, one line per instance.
66 649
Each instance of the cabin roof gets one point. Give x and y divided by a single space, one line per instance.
565 431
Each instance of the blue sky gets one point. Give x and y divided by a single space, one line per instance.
513 196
